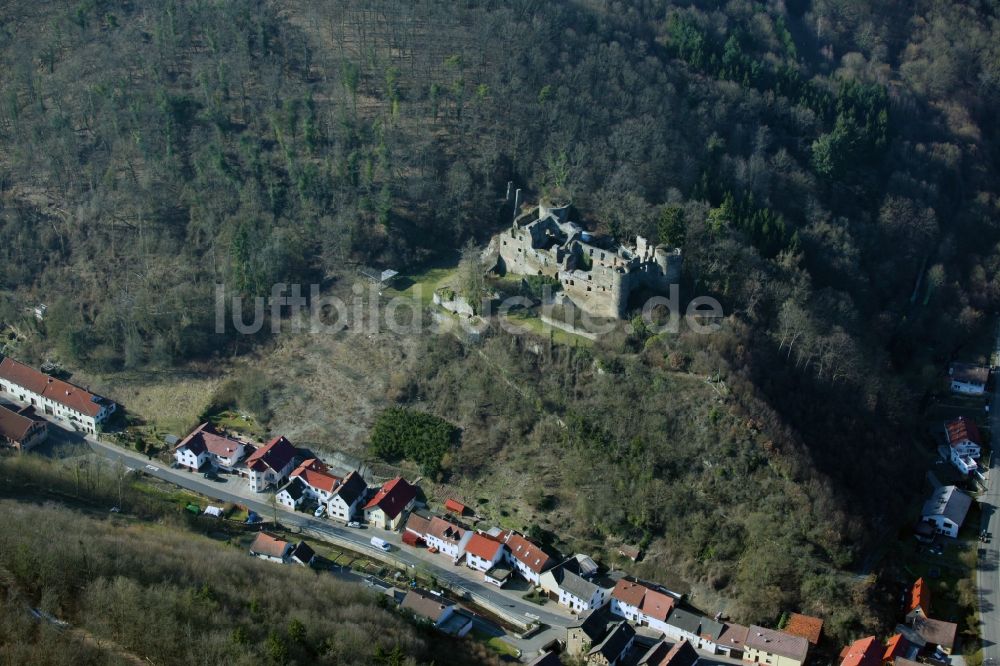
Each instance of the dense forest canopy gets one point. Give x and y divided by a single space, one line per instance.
830 167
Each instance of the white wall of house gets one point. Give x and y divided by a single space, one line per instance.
968 389
523 570
186 457
943 525
627 611
284 498
481 564
228 461
268 558
341 510
452 549
964 463
49 406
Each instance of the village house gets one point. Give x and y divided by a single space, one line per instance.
934 633
703 632
293 494
968 379
528 559
644 605
964 443
588 631
920 600
732 640
483 553
862 652
270 464
54 397
570 584
205 445
270 548
774 648
347 497
614 646
809 628
315 475
662 653
447 538
946 510
19 431
302 554
896 647
442 613
387 508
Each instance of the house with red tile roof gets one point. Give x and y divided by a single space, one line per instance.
50 396
920 600
271 463
809 628
387 508
964 442
528 558
205 445
271 548
863 652
19 431
897 646
643 604
483 553
316 477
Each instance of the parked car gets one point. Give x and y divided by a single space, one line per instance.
380 544
355 524
320 510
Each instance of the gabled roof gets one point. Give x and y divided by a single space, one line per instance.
315 473
425 604
295 489
629 592
657 604
482 547
454 506
14 426
734 636
615 642
352 488
936 632
862 652
809 628
595 623
681 654
950 502
686 621
393 497
969 373
417 524
276 454
205 438
920 597
266 544
777 642
579 587
896 647
56 390
444 530
302 553
527 553
962 429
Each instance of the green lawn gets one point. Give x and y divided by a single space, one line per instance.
536 326
421 285
234 421
496 644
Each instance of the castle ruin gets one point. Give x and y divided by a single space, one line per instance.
596 273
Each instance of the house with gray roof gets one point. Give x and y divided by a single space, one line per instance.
589 630
571 583
770 646
702 632
611 650
946 510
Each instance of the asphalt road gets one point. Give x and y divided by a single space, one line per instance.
454 576
988 573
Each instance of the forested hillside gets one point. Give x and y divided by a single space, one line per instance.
829 167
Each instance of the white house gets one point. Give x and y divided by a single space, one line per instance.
205 445
643 605
387 508
702 632
270 548
22 429
82 409
347 497
569 583
968 379
483 553
946 510
964 442
449 539
528 559
270 464
442 613
317 480
292 494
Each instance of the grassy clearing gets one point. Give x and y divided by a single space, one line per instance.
241 423
496 644
538 327
170 403
421 285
